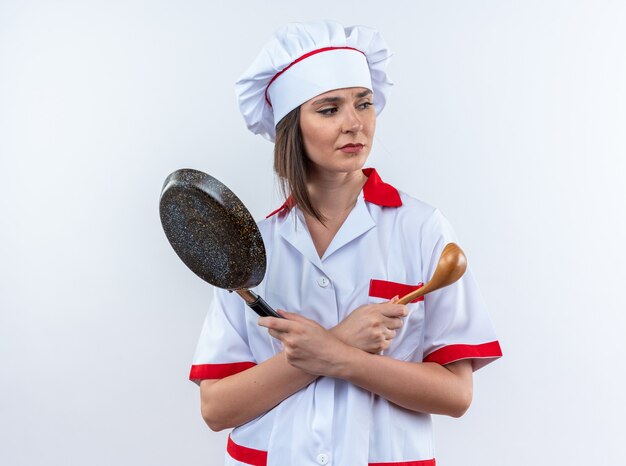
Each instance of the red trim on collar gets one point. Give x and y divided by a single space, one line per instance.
375 191
378 192
288 204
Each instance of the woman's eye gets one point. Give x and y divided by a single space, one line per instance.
365 105
327 111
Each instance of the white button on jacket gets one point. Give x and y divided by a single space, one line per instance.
323 282
322 458
389 244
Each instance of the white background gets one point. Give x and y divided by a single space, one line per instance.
510 116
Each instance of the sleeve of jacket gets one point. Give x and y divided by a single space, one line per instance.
456 324
223 348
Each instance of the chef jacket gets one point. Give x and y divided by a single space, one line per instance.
389 245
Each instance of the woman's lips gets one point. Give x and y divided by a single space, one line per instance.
352 148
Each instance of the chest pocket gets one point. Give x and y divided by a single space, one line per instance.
406 345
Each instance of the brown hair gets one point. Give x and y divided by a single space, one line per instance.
291 163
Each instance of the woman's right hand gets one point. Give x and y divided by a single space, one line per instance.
372 327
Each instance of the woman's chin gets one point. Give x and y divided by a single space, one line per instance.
347 165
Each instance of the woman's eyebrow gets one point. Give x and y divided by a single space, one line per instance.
327 100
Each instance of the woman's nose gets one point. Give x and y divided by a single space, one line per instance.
352 123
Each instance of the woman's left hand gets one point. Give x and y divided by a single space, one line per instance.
307 345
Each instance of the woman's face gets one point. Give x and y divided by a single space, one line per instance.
338 128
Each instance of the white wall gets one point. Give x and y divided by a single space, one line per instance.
508 115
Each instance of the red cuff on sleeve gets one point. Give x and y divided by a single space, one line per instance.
452 353
218 371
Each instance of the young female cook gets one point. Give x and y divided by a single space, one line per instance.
349 377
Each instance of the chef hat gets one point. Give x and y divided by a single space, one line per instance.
304 60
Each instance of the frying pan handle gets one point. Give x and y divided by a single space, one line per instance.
263 309
258 304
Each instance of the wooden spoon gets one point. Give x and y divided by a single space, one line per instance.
450 268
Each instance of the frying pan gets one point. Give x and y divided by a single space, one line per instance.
214 234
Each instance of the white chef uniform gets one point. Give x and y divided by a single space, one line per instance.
389 245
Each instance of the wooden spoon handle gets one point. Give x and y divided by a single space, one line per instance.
406 299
